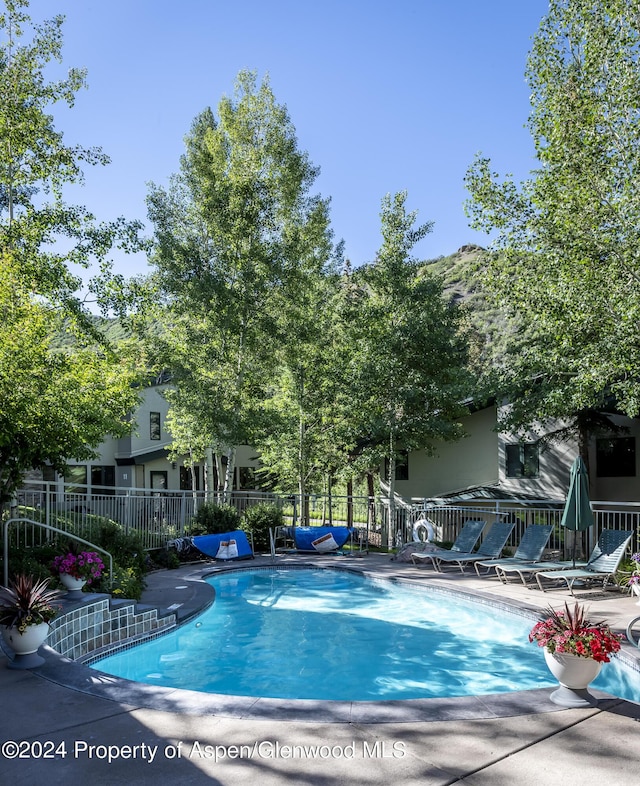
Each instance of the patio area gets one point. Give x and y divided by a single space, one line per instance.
70 725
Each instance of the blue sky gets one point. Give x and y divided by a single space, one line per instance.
385 95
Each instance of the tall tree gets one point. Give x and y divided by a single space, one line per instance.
237 237
566 259
409 359
302 446
56 404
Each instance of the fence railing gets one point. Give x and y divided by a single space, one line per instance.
448 519
160 516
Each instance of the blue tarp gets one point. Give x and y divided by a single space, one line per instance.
320 539
227 545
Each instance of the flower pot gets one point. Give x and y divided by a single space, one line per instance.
574 675
74 586
635 590
25 645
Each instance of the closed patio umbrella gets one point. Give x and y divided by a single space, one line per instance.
577 515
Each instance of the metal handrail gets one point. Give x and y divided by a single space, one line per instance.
51 529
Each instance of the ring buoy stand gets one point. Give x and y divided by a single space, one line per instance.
422 528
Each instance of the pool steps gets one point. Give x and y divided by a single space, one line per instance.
98 621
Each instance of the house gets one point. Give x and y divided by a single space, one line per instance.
487 463
484 463
141 460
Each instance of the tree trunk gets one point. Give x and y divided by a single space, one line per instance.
302 457
391 480
229 474
371 491
194 485
209 481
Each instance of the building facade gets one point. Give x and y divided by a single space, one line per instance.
141 459
490 462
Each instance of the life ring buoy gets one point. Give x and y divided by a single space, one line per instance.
422 527
632 639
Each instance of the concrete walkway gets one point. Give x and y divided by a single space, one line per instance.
65 723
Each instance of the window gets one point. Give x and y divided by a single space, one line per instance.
402 467
103 476
76 479
48 474
521 460
154 425
159 480
616 457
247 478
185 478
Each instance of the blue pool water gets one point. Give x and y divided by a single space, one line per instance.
328 634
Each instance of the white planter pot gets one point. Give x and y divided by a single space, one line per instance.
635 590
26 645
71 583
574 675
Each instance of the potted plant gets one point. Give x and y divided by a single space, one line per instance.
26 609
574 649
76 568
633 580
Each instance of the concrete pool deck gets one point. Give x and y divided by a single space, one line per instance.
69 721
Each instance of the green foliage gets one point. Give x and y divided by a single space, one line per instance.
57 403
564 258
165 558
127 583
212 519
34 561
259 519
238 239
408 368
125 547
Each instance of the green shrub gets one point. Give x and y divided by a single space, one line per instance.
34 561
126 548
129 560
211 519
259 519
126 583
165 558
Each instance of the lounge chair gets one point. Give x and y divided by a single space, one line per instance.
466 540
603 562
490 547
533 543
527 570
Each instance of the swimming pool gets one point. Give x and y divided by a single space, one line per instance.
336 635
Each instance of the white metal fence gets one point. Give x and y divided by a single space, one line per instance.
161 516
448 519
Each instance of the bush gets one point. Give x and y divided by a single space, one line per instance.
34 561
129 560
165 558
126 583
212 519
259 519
126 548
